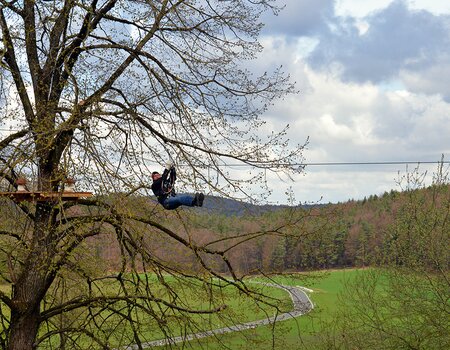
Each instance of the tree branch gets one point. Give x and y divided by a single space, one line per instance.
10 59
5 299
68 57
103 300
54 42
64 136
10 5
30 45
13 235
81 330
6 141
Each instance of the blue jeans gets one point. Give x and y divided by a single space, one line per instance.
171 203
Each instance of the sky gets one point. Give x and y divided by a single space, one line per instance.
373 79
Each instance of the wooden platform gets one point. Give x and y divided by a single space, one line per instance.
21 196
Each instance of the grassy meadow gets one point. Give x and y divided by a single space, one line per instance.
303 332
190 294
290 334
328 290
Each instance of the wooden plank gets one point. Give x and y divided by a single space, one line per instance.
64 194
45 196
19 196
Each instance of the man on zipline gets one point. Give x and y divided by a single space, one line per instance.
163 189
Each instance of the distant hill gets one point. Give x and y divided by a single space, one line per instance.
232 207
229 207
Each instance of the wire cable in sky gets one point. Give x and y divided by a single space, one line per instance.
334 163
350 163
341 163
376 163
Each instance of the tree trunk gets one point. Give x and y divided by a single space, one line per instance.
28 293
32 283
24 328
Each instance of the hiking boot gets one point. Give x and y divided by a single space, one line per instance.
195 200
200 198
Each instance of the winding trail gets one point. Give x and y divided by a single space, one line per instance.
302 305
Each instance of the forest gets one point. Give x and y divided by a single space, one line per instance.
342 235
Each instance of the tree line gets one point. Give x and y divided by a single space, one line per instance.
351 234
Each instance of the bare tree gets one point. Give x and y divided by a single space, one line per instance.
102 91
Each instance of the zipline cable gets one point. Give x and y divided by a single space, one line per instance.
336 163
322 163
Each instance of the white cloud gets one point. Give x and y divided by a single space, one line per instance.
362 8
395 38
358 8
431 80
437 7
334 184
326 184
354 122
299 17
395 41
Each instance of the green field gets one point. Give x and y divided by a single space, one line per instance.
302 332
191 294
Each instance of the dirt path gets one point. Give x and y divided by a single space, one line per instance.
302 305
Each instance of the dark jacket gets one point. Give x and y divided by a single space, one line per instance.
164 185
